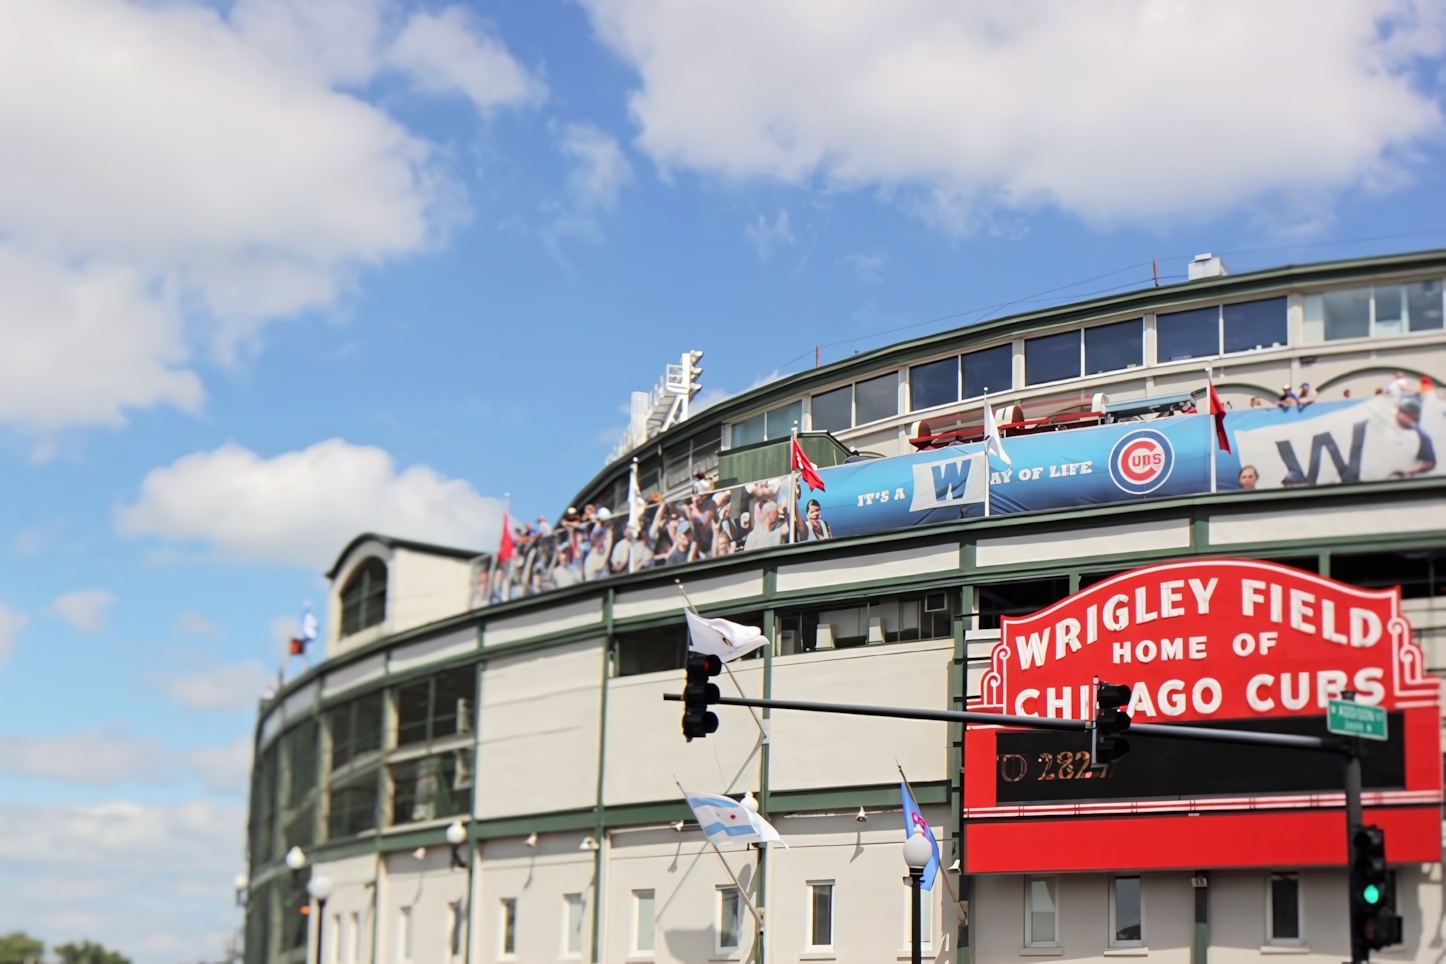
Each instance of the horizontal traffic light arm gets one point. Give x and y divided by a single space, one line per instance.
1205 734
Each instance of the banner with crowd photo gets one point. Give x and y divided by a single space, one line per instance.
1393 435
708 524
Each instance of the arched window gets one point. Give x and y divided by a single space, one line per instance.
364 598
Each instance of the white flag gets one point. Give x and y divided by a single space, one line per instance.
722 638
993 443
725 820
636 505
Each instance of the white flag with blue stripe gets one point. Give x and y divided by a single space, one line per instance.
725 820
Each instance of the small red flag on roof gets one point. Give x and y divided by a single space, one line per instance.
504 547
1217 412
806 469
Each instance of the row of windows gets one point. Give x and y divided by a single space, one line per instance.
1224 329
1283 910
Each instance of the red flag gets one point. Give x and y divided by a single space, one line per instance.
1217 412
806 469
504 548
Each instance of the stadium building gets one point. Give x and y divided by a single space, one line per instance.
510 699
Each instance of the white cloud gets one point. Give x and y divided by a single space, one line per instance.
600 169
171 179
222 769
229 688
303 507
1129 109
868 265
11 623
766 237
153 881
194 624
446 51
84 610
90 757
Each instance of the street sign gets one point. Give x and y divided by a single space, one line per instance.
1356 719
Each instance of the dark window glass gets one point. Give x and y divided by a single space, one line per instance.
294 929
265 789
655 650
1284 907
364 597
887 619
936 383
1109 348
1303 563
781 421
1018 598
1347 314
749 431
438 707
834 411
413 707
301 762
821 933
1423 302
1187 334
1255 324
1420 574
1090 578
877 398
356 729
430 788
353 807
300 829
1127 910
1051 358
990 370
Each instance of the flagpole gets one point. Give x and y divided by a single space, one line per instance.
953 894
1210 421
792 486
726 669
988 473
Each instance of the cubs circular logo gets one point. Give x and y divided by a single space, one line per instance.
1141 461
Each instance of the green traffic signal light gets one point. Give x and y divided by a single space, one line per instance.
1372 894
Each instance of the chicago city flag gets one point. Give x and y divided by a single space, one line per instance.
723 819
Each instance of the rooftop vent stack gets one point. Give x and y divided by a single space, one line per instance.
1207 266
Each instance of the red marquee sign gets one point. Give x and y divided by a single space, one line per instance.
1226 643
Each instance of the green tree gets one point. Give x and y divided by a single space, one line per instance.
88 953
18 947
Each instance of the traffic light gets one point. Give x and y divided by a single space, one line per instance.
1374 921
698 692
1105 746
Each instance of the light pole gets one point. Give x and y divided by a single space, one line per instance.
917 852
320 888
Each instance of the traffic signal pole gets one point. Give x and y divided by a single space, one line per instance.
1354 822
1206 734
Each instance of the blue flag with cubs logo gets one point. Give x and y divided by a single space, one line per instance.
914 819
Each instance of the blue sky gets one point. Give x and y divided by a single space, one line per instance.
273 272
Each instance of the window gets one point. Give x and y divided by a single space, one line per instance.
572 920
1383 311
1420 574
1017 598
404 935
749 431
1282 909
1187 334
507 929
364 597
876 398
1041 912
645 921
780 422
990 370
1254 324
936 383
432 787
820 915
890 619
356 729
353 807
833 411
300 754
655 650
1051 358
1109 348
437 707
729 905
265 787
1126 913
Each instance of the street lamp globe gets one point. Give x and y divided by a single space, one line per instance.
456 833
241 882
319 887
917 851
295 859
